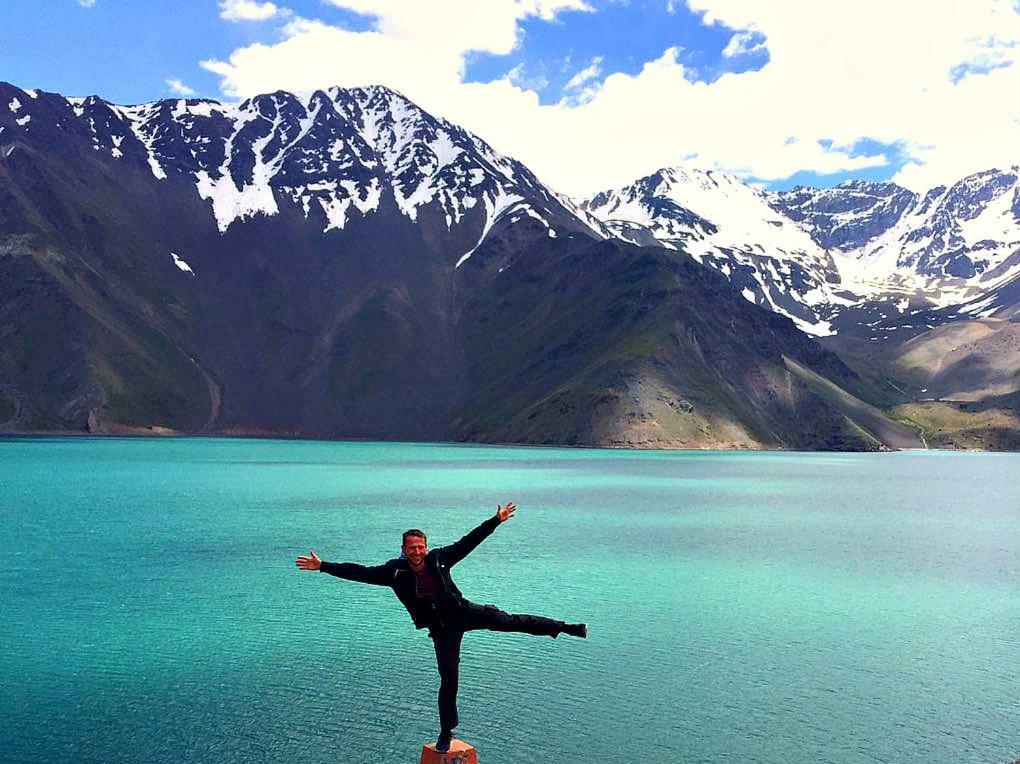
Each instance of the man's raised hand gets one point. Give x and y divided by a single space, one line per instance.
505 513
308 563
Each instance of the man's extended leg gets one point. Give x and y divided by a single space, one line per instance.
447 644
492 618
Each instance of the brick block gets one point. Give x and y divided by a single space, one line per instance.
459 753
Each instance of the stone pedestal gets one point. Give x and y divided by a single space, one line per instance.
459 753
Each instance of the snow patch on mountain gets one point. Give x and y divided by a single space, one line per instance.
494 206
141 120
997 222
335 205
230 203
180 263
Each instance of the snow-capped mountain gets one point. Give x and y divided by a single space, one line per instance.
817 254
341 155
344 264
847 216
948 246
726 224
336 154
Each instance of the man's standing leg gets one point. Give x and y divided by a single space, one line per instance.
447 644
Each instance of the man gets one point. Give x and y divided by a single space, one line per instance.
421 580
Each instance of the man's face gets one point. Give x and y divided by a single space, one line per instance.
415 548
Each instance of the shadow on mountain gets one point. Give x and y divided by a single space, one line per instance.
606 343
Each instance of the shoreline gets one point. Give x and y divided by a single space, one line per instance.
167 433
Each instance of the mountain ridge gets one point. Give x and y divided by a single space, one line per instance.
831 251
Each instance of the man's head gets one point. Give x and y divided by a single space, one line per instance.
415 546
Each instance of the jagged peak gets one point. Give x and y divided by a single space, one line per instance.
983 176
868 185
687 173
362 94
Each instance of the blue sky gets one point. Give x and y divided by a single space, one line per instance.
125 52
121 51
620 37
769 91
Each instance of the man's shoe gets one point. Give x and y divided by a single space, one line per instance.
445 738
576 630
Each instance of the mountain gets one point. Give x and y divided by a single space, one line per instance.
876 271
957 232
847 216
939 279
344 264
190 263
631 346
946 248
731 227
853 258
328 153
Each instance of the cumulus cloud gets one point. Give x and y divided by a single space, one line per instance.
86 3
590 72
523 79
937 78
179 88
247 10
883 71
584 85
742 43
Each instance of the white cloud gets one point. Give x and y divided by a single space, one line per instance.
740 44
883 70
590 72
247 10
86 3
526 81
583 86
837 71
179 88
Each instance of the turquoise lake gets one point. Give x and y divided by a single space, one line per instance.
787 608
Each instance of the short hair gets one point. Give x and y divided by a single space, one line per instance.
413 532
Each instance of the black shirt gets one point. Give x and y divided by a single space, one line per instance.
427 586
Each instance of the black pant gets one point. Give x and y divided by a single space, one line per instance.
468 617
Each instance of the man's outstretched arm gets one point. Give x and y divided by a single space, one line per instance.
458 550
375 574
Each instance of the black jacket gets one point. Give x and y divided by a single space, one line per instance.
397 575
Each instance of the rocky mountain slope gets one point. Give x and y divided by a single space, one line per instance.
872 269
632 346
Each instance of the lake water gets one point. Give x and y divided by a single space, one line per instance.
753 607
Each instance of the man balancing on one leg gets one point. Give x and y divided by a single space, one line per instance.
421 580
